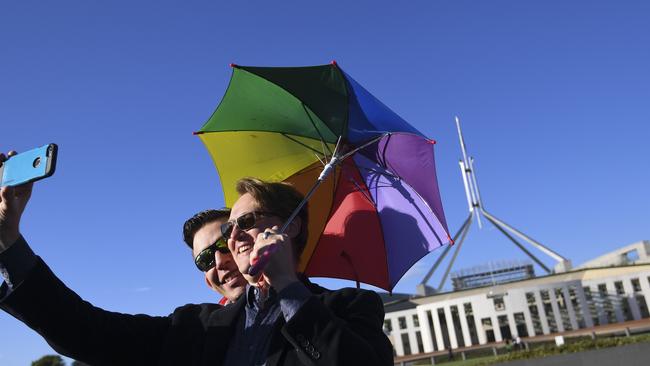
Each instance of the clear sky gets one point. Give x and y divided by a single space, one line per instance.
554 97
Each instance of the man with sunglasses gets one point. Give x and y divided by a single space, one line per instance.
283 319
202 233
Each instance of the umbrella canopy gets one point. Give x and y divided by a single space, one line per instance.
378 213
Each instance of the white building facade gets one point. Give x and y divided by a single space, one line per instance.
557 303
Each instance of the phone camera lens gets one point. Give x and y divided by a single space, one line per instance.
36 162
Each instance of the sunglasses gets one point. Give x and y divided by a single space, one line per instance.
205 259
244 222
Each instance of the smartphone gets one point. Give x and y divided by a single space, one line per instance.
29 166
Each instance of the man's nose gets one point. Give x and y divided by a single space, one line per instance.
221 260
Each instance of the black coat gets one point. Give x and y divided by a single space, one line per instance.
341 327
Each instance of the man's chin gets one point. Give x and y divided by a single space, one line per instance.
253 280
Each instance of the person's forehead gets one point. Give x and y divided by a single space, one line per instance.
246 203
208 234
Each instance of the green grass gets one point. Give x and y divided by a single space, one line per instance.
541 350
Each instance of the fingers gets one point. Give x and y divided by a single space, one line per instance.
4 157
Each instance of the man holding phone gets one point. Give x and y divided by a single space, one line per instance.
73 327
282 320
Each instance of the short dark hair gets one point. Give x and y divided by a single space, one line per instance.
280 199
196 222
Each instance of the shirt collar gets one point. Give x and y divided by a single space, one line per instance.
257 297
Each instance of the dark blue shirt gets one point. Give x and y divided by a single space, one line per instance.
254 331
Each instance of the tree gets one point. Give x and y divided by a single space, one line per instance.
49 360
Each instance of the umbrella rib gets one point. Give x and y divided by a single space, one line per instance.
385 174
322 139
364 145
303 144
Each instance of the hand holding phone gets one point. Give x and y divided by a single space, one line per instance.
19 170
28 166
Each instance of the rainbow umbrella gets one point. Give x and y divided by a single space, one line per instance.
374 202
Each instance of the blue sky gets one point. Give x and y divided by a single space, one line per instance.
553 97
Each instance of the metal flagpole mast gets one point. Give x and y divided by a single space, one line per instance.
476 209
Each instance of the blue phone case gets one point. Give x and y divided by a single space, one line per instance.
29 166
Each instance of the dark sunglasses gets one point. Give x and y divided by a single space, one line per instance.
244 222
205 259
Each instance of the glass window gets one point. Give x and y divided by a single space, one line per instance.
577 308
636 285
618 285
499 304
504 327
534 313
469 316
564 312
402 322
548 311
455 318
608 308
520 323
489 331
406 344
593 312
418 338
416 320
643 306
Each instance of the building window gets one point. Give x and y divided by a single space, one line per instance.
443 328
592 306
636 285
402 322
520 323
455 317
618 285
388 326
564 312
504 327
548 311
608 308
471 324
499 304
622 299
489 331
643 306
534 313
418 338
577 308
406 344
416 320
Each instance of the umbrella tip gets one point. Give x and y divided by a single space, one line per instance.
432 141
197 133
334 63
233 65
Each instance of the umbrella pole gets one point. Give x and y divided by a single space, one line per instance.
258 266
